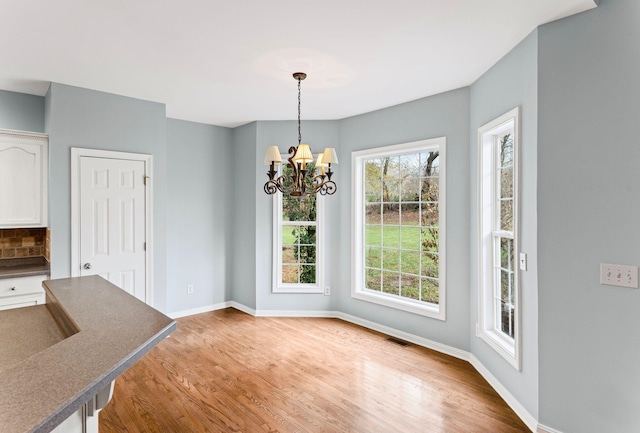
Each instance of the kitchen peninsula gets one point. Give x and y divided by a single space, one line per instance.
56 358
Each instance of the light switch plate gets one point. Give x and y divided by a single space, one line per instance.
523 262
619 275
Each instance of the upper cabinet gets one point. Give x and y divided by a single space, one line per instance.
23 179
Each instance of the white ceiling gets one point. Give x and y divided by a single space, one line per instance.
230 62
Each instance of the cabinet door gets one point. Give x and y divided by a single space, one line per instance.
23 168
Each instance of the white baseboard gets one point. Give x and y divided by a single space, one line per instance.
289 313
205 309
545 429
424 342
513 403
243 308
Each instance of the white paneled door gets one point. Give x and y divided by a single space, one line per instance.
112 222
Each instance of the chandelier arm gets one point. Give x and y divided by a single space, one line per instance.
292 153
319 179
272 186
279 184
329 187
322 186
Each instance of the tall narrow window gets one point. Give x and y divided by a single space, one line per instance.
398 226
499 307
297 242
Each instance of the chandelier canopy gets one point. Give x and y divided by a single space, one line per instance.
298 181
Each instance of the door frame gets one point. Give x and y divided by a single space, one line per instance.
76 154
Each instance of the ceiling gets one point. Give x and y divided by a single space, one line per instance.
230 62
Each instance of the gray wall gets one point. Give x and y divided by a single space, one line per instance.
198 216
589 209
512 82
21 112
78 117
447 115
243 248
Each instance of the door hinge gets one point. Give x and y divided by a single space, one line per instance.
144 246
144 178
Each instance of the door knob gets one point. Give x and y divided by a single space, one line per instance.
87 266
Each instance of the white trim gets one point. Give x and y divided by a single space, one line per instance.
511 401
420 341
76 154
240 307
18 134
199 310
296 313
545 429
510 351
357 229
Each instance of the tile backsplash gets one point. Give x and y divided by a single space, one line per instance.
24 243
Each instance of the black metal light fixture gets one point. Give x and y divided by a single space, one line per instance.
301 183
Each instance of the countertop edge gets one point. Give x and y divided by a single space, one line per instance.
22 274
23 267
101 382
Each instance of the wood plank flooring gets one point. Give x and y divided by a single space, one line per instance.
227 371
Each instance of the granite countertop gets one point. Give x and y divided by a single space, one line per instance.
105 331
23 267
44 332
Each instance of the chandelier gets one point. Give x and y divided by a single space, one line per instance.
301 182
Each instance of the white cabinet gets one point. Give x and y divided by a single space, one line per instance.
23 179
22 292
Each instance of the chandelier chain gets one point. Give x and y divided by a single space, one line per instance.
299 133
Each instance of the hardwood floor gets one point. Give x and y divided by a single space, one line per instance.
227 371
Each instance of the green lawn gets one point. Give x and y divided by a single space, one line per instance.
397 253
390 236
289 235
398 263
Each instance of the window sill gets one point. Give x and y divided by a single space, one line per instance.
296 288
502 346
391 301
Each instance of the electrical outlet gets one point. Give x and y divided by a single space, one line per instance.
619 275
190 289
327 291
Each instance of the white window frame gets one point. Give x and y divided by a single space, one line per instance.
488 215
277 285
358 290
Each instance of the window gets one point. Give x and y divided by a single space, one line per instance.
499 307
398 226
297 241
